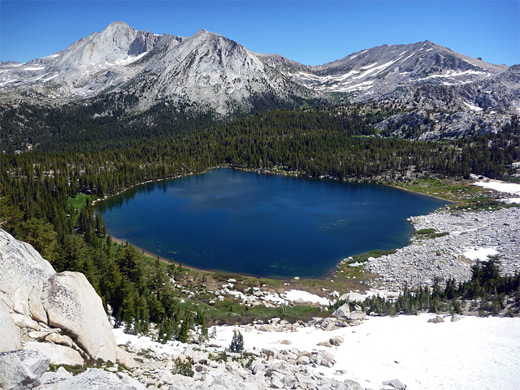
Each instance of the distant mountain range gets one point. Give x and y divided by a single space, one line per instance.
434 83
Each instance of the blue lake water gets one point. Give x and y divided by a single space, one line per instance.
263 225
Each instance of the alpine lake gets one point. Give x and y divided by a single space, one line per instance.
260 224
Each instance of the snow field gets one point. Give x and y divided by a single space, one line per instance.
473 353
497 185
480 253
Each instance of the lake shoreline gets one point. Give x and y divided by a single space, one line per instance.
153 256
465 238
266 171
331 273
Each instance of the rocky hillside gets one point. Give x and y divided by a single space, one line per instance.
438 92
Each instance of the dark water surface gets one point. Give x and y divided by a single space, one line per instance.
263 225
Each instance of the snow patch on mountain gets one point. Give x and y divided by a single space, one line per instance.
472 106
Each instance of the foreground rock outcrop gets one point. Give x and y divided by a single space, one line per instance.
23 274
72 303
60 309
22 369
28 369
10 335
93 378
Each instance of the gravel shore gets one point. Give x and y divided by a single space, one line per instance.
426 259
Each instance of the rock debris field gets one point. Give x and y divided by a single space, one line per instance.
470 236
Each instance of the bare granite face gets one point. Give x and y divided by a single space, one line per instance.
22 369
72 303
10 333
36 303
23 275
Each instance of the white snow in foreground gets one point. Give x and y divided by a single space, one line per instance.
480 253
146 343
473 353
299 296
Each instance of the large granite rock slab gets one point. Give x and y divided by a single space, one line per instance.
22 369
72 303
23 275
32 291
9 332
95 379
58 354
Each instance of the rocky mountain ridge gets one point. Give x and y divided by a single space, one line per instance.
222 76
385 66
205 68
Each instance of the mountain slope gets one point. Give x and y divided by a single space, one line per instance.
206 68
438 91
377 72
212 70
85 68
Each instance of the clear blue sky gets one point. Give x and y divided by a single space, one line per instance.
311 32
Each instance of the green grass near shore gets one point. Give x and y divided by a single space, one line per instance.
79 201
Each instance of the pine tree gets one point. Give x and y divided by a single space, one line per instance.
186 325
237 342
100 226
171 268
